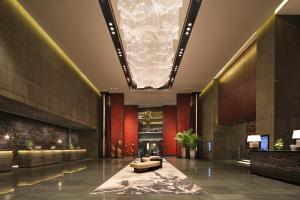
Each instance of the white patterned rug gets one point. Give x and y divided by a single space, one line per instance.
167 180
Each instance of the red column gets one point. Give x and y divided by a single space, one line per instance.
169 130
183 115
117 119
130 130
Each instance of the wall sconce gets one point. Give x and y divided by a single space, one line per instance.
296 135
254 141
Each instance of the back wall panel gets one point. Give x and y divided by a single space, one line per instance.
170 129
117 117
130 130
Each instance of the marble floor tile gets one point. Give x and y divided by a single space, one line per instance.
75 181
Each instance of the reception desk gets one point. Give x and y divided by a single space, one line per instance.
5 160
283 165
35 158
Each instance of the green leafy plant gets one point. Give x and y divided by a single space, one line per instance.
279 144
70 146
29 144
187 139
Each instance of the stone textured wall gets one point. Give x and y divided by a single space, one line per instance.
278 79
265 81
41 134
33 74
209 120
287 77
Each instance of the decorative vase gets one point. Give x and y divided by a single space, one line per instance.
119 149
183 152
112 152
192 153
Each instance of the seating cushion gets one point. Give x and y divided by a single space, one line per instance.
145 165
144 159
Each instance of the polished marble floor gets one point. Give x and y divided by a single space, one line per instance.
75 181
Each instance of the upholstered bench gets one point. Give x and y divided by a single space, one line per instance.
145 166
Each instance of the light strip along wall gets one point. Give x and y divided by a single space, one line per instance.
49 41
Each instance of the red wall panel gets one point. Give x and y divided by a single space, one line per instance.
117 117
237 89
183 115
170 129
130 129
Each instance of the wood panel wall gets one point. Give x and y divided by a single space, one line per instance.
237 89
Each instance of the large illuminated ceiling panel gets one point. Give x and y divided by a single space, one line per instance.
149 31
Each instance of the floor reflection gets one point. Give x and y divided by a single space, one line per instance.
32 176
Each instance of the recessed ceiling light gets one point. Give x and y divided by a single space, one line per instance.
186 33
190 24
120 55
110 24
112 28
181 49
113 33
188 28
180 55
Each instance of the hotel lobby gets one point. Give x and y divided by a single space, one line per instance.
150 99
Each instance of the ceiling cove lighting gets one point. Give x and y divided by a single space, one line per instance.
163 62
280 6
20 10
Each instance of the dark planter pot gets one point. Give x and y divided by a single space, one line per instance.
187 153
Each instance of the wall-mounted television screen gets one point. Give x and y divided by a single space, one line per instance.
264 145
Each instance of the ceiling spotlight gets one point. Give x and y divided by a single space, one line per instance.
186 33
118 49
190 24
181 49
112 28
110 24
113 33
180 55
188 28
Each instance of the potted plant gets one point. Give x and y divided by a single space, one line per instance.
183 140
188 141
194 139
29 144
279 144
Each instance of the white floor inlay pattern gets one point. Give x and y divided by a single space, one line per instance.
167 180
